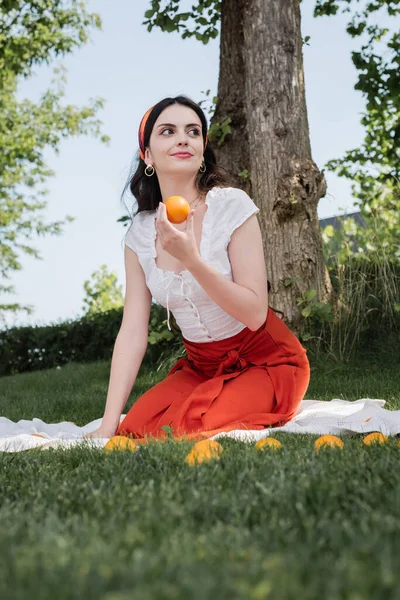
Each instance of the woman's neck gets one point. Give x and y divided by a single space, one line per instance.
174 187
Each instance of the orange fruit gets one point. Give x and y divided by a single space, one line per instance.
371 438
178 209
120 442
268 443
204 450
328 440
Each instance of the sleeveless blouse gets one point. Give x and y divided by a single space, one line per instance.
198 316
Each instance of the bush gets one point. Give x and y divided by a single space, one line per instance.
87 339
367 312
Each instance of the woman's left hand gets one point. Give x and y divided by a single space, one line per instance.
180 244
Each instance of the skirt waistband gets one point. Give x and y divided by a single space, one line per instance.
272 344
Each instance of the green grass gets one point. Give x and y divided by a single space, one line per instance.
289 524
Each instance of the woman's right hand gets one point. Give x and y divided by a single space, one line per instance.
101 432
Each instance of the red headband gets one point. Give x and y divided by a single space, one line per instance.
141 132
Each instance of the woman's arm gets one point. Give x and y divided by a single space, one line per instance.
130 344
246 297
127 358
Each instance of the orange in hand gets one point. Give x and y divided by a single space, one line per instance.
178 209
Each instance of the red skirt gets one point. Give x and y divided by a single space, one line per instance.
251 380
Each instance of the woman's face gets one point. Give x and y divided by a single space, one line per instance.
177 129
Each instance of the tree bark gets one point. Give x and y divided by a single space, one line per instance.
261 88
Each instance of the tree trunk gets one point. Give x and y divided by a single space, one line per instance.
261 88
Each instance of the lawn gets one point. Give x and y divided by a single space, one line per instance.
286 524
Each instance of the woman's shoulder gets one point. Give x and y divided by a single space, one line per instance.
229 192
226 189
140 221
234 197
138 232
230 208
142 215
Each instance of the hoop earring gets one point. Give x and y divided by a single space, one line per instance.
151 173
202 167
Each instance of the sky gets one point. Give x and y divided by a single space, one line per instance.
132 69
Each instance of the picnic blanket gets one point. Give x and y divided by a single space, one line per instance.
336 416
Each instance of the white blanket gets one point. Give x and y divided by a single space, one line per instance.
337 417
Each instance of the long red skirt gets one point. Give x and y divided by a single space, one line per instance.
251 380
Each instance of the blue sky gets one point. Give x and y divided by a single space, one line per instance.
132 69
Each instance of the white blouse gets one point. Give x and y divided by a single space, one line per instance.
199 318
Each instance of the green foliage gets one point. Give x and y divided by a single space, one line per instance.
314 309
208 104
364 260
381 234
168 344
87 339
244 174
203 18
103 292
291 280
218 130
169 430
366 315
34 32
374 167
158 330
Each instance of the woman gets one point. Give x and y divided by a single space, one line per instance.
244 368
